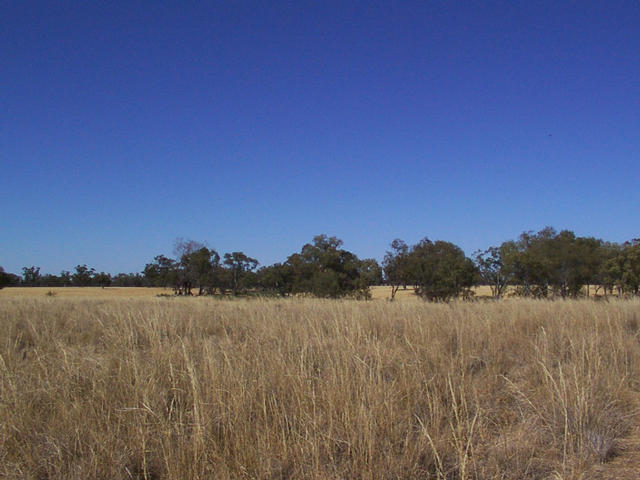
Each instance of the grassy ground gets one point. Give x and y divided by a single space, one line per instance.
377 293
271 389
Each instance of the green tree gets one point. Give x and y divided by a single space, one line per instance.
82 276
30 276
161 272
188 266
102 279
65 278
609 272
370 272
441 271
241 268
128 280
629 261
397 266
492 271
277 278
8 279
200 267
324 269
553 263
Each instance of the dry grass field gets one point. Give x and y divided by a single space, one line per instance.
85 292
377 293
186 388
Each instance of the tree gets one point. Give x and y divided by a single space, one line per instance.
324 269
128 280
30 276
201 266
610 268
553 263
83 276
629 261
370 272
396 265
187 266
440 270
240 267
8 279
528 262
277 278
161 272
491 270
65 278
102 279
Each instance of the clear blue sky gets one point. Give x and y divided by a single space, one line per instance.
254 126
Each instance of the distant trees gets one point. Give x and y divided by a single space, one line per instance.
8 279
102 279
276 279
240 269
556 264
323 269
627 263
128 280
441 271
30 276
543 264
491 270
198 266
397 266
82 276
438 270
161 272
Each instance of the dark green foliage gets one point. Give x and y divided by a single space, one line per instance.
197 267
241 270
8 279
440 270
546 264
397 266
276 279
102 279
65 278
491 270
549 263
323 269
161 272
128 280
30 276
370 272
82 276
628 265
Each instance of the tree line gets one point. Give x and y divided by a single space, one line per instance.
544 264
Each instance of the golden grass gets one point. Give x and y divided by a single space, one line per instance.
272 389
85 292
377 292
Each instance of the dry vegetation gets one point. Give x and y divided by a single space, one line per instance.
377 292
274 389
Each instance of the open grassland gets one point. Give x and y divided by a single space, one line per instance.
377 292
183 388
85 292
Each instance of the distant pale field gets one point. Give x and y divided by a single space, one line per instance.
124 292
377 293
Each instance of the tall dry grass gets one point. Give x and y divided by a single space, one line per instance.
203 388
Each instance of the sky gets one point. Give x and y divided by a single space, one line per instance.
254 126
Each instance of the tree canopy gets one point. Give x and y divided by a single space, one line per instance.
543 264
